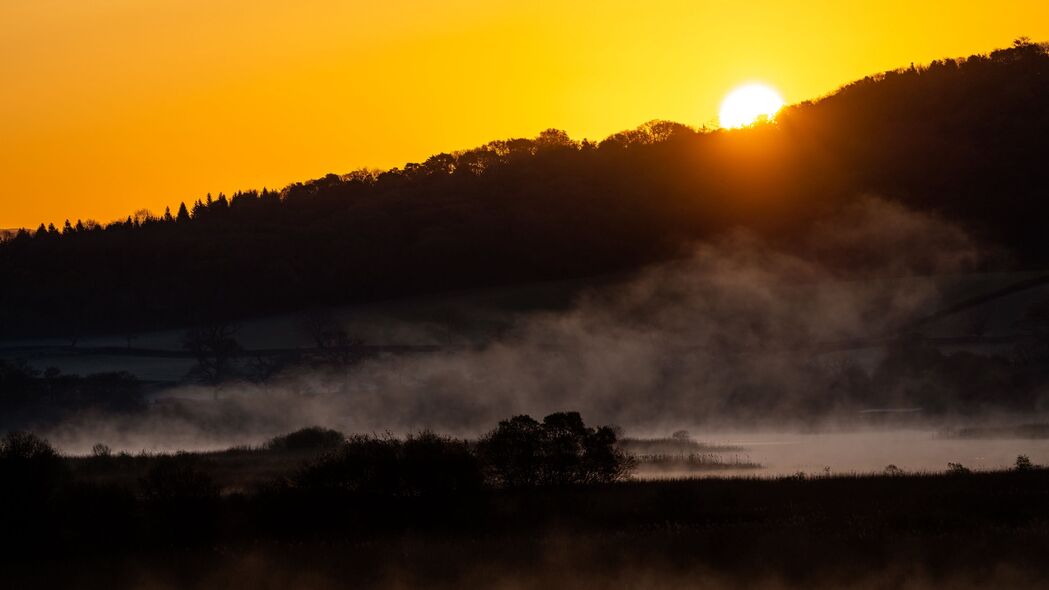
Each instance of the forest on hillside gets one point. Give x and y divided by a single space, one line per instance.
961 139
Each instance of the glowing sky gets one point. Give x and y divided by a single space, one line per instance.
109 106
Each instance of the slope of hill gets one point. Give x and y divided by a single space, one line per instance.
963 139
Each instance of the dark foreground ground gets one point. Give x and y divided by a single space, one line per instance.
979 530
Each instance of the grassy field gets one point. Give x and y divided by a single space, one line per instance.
107 529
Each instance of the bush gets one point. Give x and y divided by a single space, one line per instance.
314 438
363 464
958 469
25 447
176 480
434 464
30 468
422 465
1023 463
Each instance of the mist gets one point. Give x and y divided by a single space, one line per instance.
738 336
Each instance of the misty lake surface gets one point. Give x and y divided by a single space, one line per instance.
866 451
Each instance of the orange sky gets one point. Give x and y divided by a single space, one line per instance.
109 106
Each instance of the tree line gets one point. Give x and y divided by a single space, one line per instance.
521 452
964 139
31 396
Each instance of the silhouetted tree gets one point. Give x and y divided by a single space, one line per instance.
1023 463
514 452
332 341
214 347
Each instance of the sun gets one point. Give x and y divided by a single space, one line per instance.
747 104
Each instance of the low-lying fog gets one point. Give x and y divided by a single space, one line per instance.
742 343
760 453
862 451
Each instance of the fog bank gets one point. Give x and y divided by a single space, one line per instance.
739 334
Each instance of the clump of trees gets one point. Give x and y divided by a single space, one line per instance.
28 395
560 450
521 452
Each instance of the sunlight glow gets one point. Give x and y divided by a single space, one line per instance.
142 105
747 104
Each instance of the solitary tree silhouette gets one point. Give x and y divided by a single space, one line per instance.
214 347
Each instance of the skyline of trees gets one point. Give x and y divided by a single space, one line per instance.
961 139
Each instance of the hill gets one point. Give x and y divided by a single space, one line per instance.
961 139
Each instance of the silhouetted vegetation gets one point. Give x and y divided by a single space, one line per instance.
214 347
679 443
174 479
29 396
32 471
1023 463
561 450
521 452
964 139
679 454
307 439
407 506
421 465
687 463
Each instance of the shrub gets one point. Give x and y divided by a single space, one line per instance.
422 465
958 469
101 451
30 468
1023 463
365 464
176 480
25 446
434 464
314 438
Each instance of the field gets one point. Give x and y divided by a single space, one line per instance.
984 529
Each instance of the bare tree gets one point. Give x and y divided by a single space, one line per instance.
214 347
333 343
